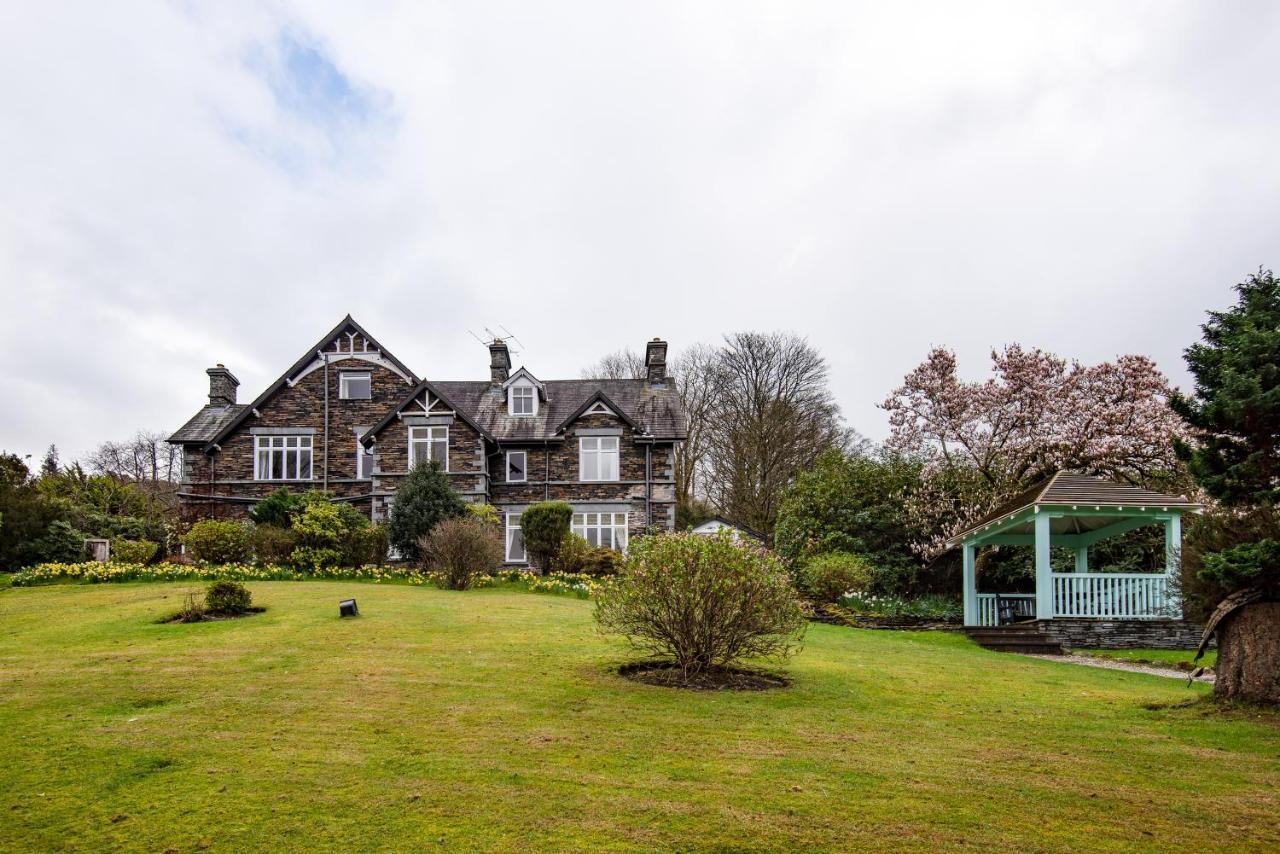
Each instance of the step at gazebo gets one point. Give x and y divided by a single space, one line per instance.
1075 511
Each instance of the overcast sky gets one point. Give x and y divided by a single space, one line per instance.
190 183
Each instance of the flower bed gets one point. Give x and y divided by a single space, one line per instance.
565 584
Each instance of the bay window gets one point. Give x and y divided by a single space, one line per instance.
608 530
429 444
282 458
598 458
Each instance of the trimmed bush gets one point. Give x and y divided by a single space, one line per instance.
423 500
703 603
133 551
60 543
545 526
218 541
578 557
273 544
825 578
227 598
277 509
459 550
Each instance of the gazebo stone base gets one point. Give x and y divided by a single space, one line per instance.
1123 634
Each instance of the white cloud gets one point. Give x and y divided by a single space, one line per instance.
182 189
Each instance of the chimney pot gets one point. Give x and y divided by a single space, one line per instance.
222 386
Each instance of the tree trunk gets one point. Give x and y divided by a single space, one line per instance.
1248 665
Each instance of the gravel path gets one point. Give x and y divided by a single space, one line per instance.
1132 667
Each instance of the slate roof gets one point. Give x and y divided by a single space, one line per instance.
206 423
1080 490
657 411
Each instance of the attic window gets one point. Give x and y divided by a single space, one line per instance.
354 386
524 400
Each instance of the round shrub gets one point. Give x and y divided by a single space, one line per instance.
218 541
703 603
827 577
578 557
544 527
277 509
227 598
423 500
461 549
133 551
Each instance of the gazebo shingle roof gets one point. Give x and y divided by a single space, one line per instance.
1068 489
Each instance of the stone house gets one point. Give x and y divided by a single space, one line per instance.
350 418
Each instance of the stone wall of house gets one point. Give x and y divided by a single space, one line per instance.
230 471
1123 634
467 464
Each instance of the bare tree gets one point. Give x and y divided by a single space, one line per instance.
146 458
624 364
770 415
694 372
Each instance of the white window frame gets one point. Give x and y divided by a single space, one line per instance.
525 466
344 392
613 522
282 444
592 450
361 454
522 388
434 434
508 529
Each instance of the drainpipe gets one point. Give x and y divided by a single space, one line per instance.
546 474
326 421
648 486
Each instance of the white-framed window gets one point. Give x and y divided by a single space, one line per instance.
364 462
429 443
514 539
602 529
355 386
523 400
282 458
517 466
598 458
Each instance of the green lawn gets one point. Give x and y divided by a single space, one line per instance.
1168 657
494 720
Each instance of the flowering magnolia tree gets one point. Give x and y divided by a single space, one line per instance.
983 442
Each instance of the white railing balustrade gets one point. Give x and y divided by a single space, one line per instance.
1120 595
987 615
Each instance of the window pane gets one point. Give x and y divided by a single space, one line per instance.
609 466
277 465
515 466
304 464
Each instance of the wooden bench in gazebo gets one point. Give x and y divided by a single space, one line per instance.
1076 511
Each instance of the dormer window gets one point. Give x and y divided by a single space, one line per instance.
523 400
354 386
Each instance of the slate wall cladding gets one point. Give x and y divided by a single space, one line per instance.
302 406
1123 634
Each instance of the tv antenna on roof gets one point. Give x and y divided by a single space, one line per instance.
495 337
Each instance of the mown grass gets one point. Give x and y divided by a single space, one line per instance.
494 720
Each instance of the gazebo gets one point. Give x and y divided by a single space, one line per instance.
1076 511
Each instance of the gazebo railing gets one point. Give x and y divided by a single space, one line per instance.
987 615
1122 595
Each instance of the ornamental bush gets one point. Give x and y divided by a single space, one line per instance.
277 509
218 541
227 598
578 557
825 578
423 500
273 544
133 551
703 603
460 550
544 527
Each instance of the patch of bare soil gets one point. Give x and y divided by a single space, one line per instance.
667 675
1131 666
206 617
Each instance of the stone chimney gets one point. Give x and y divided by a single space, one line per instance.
655 361
222 386
499 362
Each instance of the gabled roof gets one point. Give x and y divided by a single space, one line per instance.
524 373
600 397
347 323
432 388
1079 491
